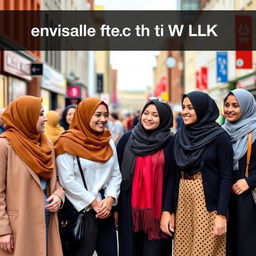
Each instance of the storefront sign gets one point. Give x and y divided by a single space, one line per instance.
16 65
247 83
53 80
74 91
37 69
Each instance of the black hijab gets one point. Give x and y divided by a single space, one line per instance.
144 142
191 140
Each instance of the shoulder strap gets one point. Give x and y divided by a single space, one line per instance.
249 150
81 171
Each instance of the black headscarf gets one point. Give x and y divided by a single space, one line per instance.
144 142
63 120
191 140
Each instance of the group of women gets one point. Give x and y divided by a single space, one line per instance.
152 187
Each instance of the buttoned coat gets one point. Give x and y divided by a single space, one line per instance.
22 211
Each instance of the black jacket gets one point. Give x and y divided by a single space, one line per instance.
217 173
126 241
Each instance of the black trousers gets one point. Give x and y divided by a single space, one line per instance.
145 247
104 242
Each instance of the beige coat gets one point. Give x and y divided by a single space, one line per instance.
22 207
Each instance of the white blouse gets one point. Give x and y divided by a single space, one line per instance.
97 176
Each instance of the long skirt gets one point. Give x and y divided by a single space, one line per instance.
194 224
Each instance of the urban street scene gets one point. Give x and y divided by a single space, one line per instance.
127 127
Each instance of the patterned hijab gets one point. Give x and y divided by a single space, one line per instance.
238 131
34 149
81 140
191 140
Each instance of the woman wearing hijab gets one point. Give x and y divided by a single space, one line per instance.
30 194
67 116
240 113
146 209
204 159
88 139
52 128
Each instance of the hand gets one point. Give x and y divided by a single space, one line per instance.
95 205
105 208
7 243
54 203
240 187
116 217
220 225
167 222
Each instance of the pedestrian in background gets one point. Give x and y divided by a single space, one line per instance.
88 139
240 114
115 127
67 116
145 205
1 121
204 158
52 128
30 194
136 118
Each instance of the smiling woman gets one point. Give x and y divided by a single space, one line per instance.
29 203
203 157
146 205
240 113
89 139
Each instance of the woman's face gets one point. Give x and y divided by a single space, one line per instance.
188 112
70 115
232 109
150 119
99 119
40 122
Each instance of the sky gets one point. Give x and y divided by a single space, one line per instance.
135 67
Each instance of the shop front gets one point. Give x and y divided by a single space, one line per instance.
248 83
15 76
53 89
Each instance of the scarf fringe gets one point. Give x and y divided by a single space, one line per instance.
144 220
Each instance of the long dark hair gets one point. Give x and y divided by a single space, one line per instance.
63 121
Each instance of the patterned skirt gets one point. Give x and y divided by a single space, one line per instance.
194 224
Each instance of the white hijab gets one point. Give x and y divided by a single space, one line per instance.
238 131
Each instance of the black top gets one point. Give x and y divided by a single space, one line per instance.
240 173
170 178
127 244
217 173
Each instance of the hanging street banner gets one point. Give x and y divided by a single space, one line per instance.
222 67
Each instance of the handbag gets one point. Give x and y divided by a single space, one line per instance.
74 225
248 156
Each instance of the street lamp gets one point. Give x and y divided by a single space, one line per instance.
170 63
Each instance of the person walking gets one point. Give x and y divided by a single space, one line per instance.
145 208
88 139
115 127
240 114
204 159
67 116
30 194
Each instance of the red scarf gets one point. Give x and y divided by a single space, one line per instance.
147 195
